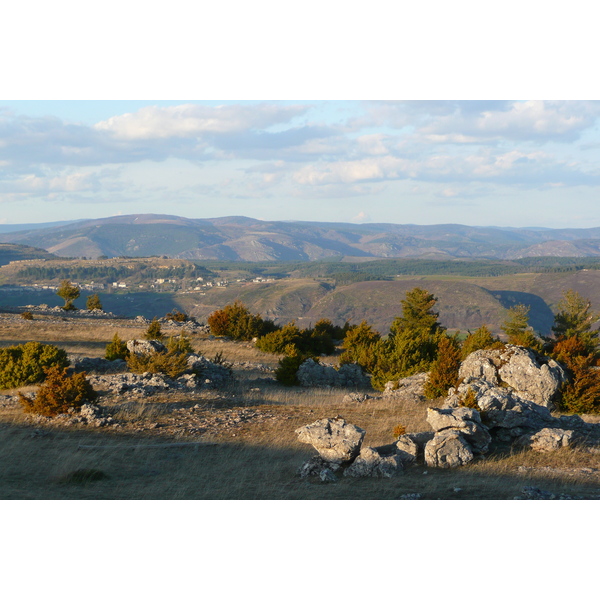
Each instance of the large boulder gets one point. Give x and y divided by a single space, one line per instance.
408 389
533 376
448 448
466 421
335 440
145 346
313 374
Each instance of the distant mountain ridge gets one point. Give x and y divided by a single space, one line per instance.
237 238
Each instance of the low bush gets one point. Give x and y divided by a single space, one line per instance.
59 393
177 316
154 331
181 344
236 322
93 302
306 341
24 364
287 371
117 349
27 316
172 364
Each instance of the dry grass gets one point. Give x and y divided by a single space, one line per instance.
255 457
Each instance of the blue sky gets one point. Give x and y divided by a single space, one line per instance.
321 150
506 163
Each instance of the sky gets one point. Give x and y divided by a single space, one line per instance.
424 114
476 162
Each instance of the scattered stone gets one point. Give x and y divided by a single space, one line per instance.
373 462
356 398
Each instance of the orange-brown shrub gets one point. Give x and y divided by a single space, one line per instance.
59 393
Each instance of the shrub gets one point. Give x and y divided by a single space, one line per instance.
574 319
236 322
154 331
582 393
116 349
24 364
359 346
93 302
277 341
444 370
469 400
181 344
287 371
169 363
27 316
516 327
326 327
481 339
177 316
59 393
399 430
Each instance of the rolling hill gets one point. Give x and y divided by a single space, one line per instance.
245 239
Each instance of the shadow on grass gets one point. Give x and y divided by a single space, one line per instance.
56 464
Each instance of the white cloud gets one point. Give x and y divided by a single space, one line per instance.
193 120
362 217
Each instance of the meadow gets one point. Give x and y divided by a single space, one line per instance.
237 441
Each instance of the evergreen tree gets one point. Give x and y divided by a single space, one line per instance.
154 331
444 370
68 293
574 319
116 349
516 326
412 344
479 340
93 302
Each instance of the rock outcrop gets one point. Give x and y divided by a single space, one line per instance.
408 389
534 377
314 374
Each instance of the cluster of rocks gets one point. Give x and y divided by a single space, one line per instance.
339 445
505 396
87 414
189 325
313 374
81 312
201 373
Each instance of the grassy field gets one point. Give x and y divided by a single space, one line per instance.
241 440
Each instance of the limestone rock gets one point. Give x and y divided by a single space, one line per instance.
448 448
335 440
467 421
372 462
533 376
408 389
551 438
145 346
314 374
407 449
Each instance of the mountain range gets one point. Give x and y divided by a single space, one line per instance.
245 239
